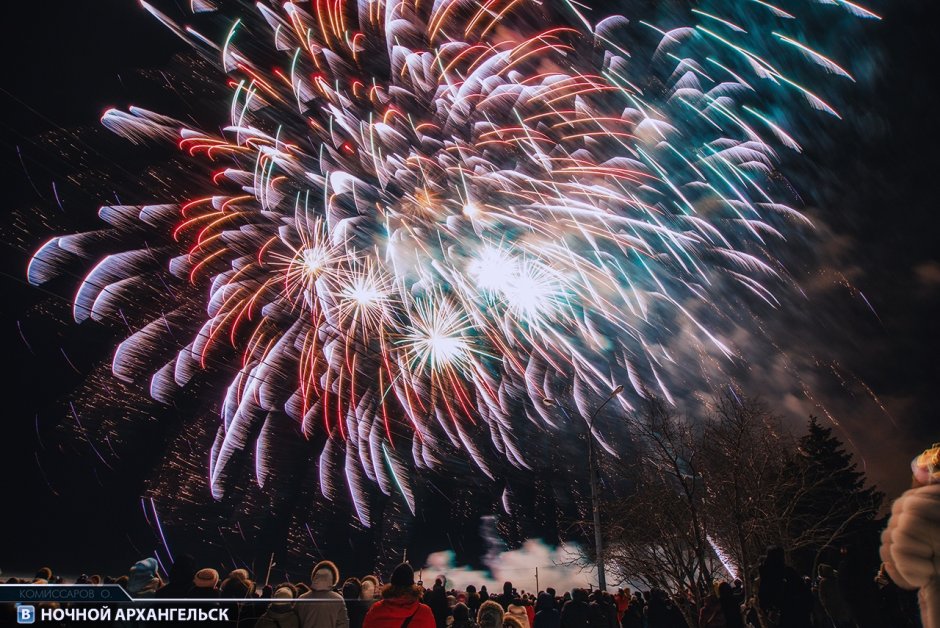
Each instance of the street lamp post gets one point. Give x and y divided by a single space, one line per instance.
594 471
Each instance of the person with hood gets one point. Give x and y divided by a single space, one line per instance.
730 606
43 576
633 617
281 613
143 580
831 599
711 615
517 609
622 602
451 603
204 584
461 615
239 585
576 613
529 602
603 611
400 606
490 615
370 589
781 592
436 598
326 608
737 588
546 614
180 578
473 600
356 607
859 591
506 598
662 612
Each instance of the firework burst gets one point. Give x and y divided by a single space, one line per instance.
425 217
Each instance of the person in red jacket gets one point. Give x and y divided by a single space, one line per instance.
622 600
400 606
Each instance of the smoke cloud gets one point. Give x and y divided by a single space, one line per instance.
558 567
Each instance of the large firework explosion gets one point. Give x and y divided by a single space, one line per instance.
425 218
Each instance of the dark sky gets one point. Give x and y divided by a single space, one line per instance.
65 62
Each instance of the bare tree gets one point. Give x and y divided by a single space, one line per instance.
717 491
659 534
746 452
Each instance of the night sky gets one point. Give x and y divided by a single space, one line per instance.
872 181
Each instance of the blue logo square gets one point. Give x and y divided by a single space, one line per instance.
25 614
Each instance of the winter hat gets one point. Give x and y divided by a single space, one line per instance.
206 578
370 585
237 584
284 592
352 589
516 607
910 548
325 574
240 574
490 615
546 602
403 576
461 612
144 568
141 574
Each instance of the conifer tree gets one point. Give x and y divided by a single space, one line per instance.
829 504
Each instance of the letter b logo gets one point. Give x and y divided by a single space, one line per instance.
25 614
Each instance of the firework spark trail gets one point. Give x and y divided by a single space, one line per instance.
726 561
156 518
425 217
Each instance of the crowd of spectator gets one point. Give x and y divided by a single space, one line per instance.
779 598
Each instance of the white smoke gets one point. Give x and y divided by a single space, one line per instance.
558 567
